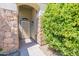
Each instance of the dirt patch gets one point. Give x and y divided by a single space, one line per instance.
48 51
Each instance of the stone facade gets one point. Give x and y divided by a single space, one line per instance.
40 34
9 40
8 30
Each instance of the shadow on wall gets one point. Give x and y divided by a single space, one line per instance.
34 28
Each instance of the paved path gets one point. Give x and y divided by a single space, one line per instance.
29 47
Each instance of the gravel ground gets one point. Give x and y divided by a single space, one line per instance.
48 52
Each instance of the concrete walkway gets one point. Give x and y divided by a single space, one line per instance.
29 47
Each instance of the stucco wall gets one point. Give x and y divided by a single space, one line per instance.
25 12
33 24
34 5
9 6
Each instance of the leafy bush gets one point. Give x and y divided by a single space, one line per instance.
1 49
60 24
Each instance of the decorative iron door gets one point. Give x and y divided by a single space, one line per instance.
25 29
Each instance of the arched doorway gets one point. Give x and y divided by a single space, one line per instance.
28 16
27 26
25 17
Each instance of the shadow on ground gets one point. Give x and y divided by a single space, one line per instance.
24 46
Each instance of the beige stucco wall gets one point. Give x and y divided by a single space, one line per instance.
34 5
25 12
33 25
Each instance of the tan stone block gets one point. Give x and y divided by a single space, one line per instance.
1 34
8 47
6 28
1 44
15 17
2 23
5 46
7 34
16 46
13 23
14 30
12 19
8 13
8 40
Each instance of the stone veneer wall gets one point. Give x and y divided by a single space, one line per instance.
40 35
8 30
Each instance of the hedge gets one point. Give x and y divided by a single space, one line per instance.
60 25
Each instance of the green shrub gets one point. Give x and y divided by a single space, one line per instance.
60 24
1 49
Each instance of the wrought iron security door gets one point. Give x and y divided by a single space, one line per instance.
25 28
